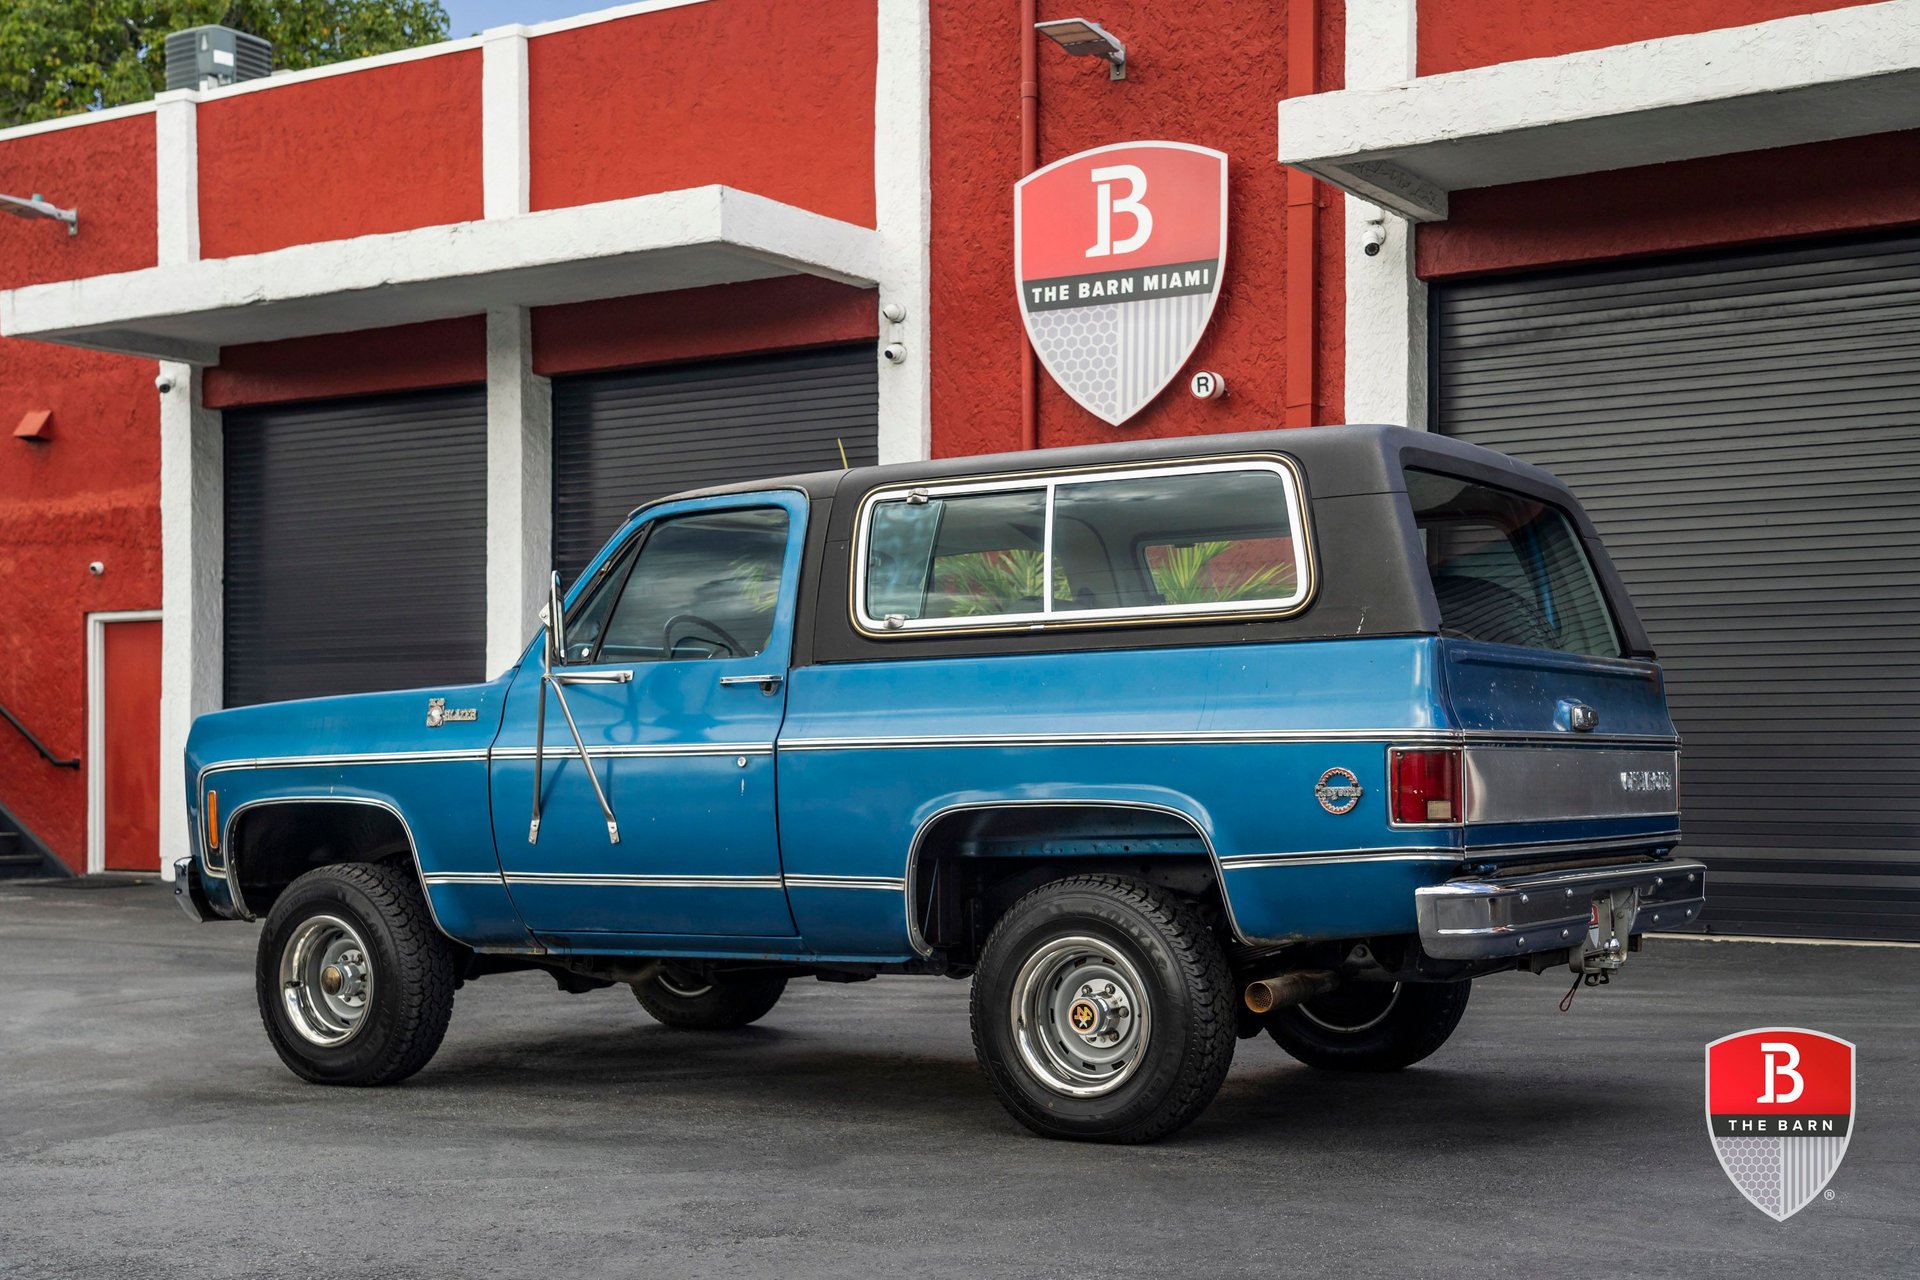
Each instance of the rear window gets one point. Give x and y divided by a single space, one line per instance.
1508 569
1195 540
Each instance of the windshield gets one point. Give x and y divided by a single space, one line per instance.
1508 569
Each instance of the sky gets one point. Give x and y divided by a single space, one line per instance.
471 17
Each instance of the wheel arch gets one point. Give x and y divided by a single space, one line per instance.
270 841
1070 833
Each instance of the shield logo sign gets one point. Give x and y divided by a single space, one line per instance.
1117 255
1780 1109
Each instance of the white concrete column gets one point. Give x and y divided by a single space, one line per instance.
1386 358
177 176
504 156
902 179
192 557
519 487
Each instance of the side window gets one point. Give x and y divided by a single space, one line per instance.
696 586
1206 540
1508 569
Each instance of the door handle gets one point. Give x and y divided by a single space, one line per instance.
773 679
592 677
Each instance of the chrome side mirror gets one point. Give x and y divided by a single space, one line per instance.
553 620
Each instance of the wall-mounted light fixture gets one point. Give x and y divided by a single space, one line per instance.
36 207
1087 39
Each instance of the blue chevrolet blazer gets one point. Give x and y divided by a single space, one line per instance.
1162 744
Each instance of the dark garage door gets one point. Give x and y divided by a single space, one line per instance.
621 439
355 545
1745 429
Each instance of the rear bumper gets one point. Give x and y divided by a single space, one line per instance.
1516 915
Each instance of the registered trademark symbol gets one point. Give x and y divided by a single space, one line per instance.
1831 1195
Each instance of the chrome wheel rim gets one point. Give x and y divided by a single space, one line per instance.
1081 1017
326 980
678 985
1346 1015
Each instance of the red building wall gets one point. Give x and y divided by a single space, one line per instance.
1456 34
775 98
92 492
387 149
1203 74
701 324
1858 184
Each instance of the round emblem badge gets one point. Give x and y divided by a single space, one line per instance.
1338 791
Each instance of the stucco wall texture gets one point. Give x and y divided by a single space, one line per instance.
1859 184
1456 34
1207 75
776 98
92 491
388 149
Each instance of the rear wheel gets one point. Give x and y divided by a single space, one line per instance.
355 983
1103 1009
716 1002
1371 1026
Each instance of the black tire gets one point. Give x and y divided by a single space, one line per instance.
1166 1074
409 993
720 1002
1371 1026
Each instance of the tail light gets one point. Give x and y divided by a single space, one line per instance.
1426 786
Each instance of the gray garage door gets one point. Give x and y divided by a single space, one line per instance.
621 439
355 545
1745 429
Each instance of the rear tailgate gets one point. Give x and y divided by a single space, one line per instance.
1566 755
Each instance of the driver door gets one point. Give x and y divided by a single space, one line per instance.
675 672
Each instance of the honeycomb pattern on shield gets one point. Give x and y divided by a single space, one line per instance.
1754 1166
1081 348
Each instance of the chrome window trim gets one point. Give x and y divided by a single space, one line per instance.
918 941
1293 485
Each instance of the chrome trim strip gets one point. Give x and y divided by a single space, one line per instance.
462 877
1252 861
648 751
569 879
1423 737
233 862
890 884
1610 845
919 942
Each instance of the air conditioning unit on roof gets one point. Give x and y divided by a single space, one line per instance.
208 57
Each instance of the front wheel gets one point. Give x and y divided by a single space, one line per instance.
714 1002
1371 1026
1103 1010
355 982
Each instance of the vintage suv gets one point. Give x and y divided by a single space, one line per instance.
1163 744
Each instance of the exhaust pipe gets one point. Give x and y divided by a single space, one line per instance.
1285 990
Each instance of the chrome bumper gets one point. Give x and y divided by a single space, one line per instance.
1515 915
190 893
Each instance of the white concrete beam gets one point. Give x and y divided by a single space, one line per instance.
646 244
1386 328
176 166
192 555
1407 142
519 487
506 161
903 185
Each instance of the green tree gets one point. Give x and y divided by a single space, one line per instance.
62 56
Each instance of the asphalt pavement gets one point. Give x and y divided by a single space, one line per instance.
146 1129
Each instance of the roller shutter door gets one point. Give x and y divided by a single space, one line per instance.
355 545
1745 429
622 439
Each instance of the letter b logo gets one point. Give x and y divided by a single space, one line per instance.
1778 1071
1136 180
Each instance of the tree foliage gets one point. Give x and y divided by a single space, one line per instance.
62 56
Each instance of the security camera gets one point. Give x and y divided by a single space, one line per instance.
894 353
894 312
163 383
1371 242
96 568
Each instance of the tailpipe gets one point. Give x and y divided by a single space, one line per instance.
1285 990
